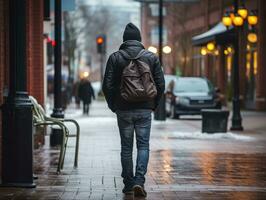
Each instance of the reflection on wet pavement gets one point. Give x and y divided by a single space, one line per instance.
179 168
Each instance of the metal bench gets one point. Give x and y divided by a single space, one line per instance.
41 119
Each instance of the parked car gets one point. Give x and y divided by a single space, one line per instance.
188 95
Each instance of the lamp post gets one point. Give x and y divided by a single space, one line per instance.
160 113
237 19
56 135
58 111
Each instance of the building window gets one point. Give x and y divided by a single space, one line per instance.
155 10
155 35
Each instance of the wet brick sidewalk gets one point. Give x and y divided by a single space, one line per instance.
184 164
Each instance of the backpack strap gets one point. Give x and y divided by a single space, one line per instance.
125 54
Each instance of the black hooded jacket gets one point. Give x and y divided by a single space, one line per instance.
112 78
114 68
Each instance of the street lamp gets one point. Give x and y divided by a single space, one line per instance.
227 20
252 19
252 37
203 51
167 49
237 19
243 12
152 49
210 46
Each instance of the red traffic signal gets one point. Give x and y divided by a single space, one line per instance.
99 40
101 43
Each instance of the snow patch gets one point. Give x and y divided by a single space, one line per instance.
199 135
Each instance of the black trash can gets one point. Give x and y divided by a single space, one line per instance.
214 120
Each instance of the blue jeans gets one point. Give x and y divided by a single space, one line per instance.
138 120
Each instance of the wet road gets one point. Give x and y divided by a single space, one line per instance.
184 164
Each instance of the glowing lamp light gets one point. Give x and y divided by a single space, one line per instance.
152 49
252 37
203 51
229 49
243 12
216 52
252 19
227 21
167 49
210 46
86 74
238 20
226 52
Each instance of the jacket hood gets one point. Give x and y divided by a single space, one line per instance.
131 33
132 47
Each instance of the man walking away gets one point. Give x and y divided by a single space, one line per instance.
133 85
86 93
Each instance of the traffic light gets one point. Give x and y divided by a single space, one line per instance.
101 43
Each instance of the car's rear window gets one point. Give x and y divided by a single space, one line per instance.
192 85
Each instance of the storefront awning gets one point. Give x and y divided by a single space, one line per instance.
218 33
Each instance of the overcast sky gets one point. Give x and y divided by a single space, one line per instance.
124 3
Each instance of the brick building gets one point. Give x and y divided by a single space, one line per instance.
185 19
34 52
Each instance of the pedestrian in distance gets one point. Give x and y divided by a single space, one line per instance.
86 93
133 85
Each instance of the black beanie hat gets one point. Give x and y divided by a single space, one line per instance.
131 33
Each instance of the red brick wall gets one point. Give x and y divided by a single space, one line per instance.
35 50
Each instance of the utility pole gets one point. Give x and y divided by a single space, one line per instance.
160 113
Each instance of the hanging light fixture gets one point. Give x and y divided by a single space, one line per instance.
252 19
252 37
238 20
227 21
203 51
229 49
243 12
211 46
226 52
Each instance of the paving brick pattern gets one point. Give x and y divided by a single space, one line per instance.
180 168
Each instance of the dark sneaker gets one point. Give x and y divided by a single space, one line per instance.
127 190
139 191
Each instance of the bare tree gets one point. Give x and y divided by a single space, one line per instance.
179 36
83 25
70 43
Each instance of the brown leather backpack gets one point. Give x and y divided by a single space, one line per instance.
137 82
